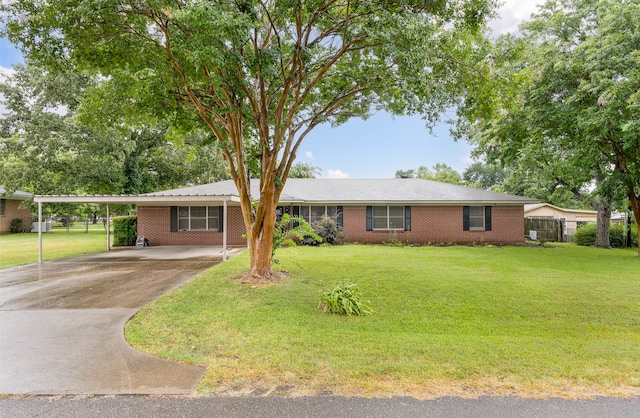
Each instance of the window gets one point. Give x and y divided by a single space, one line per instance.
198 218
313 214
387 217
2 203
476 218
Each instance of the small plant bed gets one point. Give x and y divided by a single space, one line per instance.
463 321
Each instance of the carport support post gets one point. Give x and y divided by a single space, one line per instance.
224 231
40 232
108 230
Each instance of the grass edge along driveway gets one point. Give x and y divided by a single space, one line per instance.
463 321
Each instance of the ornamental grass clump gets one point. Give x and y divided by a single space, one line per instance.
344 300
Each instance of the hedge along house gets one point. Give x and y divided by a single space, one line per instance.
368 211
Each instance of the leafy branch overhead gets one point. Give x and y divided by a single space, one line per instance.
262 74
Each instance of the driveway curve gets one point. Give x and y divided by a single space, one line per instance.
62 322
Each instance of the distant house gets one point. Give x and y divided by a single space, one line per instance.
367 210
572 218
10 209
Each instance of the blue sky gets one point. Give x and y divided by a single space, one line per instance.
382 144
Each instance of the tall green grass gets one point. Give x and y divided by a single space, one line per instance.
559 321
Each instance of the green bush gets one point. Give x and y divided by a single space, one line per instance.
125 230
345 300
16 225
289 231
327 229
586 235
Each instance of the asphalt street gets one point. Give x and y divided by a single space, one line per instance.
317 406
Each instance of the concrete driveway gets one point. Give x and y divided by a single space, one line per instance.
61 323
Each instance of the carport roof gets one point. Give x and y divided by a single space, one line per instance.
131 199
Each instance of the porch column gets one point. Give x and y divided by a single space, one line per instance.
224 231
40 232
108 230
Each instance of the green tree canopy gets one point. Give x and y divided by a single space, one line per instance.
304 171
441 172
46 148
484 176
262 74
568 118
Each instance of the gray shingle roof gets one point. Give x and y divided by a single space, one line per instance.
16 195
345 191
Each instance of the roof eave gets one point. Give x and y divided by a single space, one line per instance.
133 199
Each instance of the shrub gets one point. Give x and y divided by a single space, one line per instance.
125 230
586 235
344 300
327 229
16 225
291 230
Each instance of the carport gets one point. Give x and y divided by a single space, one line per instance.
135 200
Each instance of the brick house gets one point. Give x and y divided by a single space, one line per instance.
11 208
368 211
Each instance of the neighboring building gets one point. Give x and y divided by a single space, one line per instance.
10 209
367 210
572 218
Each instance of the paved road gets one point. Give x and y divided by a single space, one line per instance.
319 406
61 323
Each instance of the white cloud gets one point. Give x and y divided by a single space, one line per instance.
4 71
337 174
467 160
511 14
309 155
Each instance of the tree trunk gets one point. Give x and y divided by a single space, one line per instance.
635 207
260 227
602 227
261 242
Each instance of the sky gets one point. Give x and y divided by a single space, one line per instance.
382 144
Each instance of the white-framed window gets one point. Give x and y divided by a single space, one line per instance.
388 217
313 214
198 218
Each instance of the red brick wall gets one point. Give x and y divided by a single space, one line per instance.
154 222
11 212
429 225
438 225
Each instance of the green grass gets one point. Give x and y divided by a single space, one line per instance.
447 321
19 249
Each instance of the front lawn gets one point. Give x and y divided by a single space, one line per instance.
19 249
463 321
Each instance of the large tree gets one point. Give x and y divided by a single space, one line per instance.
573 123
47 147
262 74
